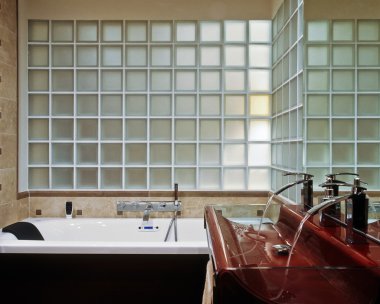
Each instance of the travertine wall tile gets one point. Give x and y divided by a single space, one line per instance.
8 192
8 46
8 14
8 146
13 211
8 120
8 83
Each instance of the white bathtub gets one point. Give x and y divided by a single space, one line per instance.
109 236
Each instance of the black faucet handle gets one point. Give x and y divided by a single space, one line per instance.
306 176
358 183
333 175
335 183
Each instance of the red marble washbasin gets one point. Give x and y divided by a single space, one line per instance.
323 266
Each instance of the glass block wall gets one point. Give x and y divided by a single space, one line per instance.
287 98
143 104
342 98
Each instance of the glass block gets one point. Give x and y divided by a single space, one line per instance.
112 31
259 155
209 178
234 55
343 154
63 80
87 31
318 30
368 154
234 105
258 179
235 31
343 129
38 154
161 56
210 56
62 178
135 178
210 80
234 129
62 129
259 105
343 55
318 55
161 31
209 105
160 154
38 56
160 178
62 105
136 80
209 154
318 80
185 80
111 129
38 31
234 154
112 80
87 56
259 80
234 179
234 80
368 55
210 31
342 30
317 154
62 31
185 105
368 105
38 178
38 105
136 31
185 154
343 80
135 105
87 178
371 176
368 30
87 129
111 105
368 129
260 56
135 154
260 31
62 154
160 105
186 56
160 129
87 105
38 80
368 80
343 105
209 129
111 178
318 105
135 129
259 130
63 56
87 154
112 56
185 129
186 177
161 80
136 56
111 154
87 80
186 31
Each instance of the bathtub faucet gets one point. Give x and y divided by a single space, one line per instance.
148 209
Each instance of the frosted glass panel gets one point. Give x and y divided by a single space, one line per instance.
38 80
111 154
318 30
209 105
62 178
318 55
38 56
161 80
259 130
111 129
87 154
258 179
368 129
342 154
185 80
87 178
368 55
87 129
112 56
260 31
368 105
343 105
111 105
234 129
318 80
63 56
87 105
161 56
209 154
38 31
234 55
161 31
234 154
63 105
63 80
234 80
259 155
160 154
368 80
62 154
234 105
343 129
318 129
209 129
185 56
317 105
135 178
38 154
87 80
112 80
135 105
135 154
38 105
318 154
343 31
160 105
87 31
111 178
160 178
259 80
234 179
185 129
136 80
62 31
235 31
259 105
87 56
136 55
185 154
186 177
160 129
136 129
186 31
112 31
210 31
136 31
185 105
210 55
260 56
343 55
368 30
343 80
62 129
210 80
209 178
38 178
368 154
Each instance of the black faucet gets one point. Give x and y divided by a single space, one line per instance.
307 190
